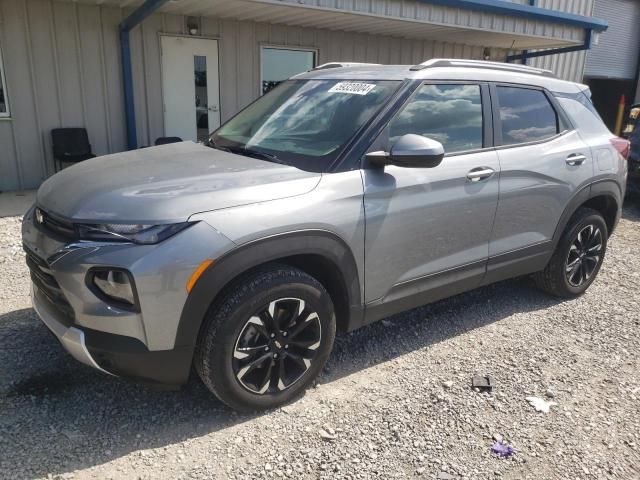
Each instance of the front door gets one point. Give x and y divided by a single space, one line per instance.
428 229
190 86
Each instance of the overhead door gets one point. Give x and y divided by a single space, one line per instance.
616 55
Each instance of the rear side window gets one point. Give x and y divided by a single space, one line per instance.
582 113
450 114
525 115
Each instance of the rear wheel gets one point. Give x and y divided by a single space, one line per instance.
266 339
578 256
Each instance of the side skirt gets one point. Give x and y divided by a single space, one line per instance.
431 288
428 289
516 263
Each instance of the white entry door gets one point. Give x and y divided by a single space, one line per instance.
190 86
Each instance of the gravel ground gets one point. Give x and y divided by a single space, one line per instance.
394 401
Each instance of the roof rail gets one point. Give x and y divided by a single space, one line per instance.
325 66
506 67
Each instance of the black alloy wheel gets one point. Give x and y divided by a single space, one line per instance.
277 346
266 338
578 256
584 255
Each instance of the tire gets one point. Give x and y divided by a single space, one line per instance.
237 333
561 279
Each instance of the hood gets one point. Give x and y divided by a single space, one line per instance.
166 184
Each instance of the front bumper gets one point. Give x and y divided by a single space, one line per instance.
71 338
114 354
138 343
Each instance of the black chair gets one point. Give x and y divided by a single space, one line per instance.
70 145
165 140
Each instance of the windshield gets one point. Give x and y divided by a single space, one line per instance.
304 123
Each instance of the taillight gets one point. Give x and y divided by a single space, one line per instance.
622 146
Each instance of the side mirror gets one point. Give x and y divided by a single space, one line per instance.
410 151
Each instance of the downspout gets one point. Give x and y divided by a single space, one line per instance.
136 17
554 51
525 52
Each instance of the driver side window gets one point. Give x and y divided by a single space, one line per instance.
450 114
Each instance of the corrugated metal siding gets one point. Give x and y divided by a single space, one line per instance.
568 66
407 18
616 55
435 14
63 69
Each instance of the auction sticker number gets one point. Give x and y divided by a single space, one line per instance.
355 88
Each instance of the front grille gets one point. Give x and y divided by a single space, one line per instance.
47 285
53 225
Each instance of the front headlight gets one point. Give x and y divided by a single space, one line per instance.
136 233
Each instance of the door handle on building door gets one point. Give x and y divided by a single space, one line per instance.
575 159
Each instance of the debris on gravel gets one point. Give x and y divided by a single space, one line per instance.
394 402
540 404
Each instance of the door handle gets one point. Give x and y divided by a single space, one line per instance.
575 159
213 108
480 173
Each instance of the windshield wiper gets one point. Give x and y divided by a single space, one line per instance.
250 152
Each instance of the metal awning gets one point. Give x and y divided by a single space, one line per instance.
490 23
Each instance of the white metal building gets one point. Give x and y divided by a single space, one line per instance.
130 71
613 63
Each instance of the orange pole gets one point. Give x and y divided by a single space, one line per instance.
620 115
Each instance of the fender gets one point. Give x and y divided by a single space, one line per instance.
606 188
322 243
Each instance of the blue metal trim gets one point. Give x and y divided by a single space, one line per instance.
529 12
140 13
136 17
554 51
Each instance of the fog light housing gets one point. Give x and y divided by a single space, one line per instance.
114 285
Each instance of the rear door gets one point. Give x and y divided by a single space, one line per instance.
543 163
429 228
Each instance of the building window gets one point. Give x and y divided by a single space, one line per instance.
526 115
4 101
278 64
450 114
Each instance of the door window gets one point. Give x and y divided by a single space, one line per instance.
4 103
525 115
202 103
450 114
279 64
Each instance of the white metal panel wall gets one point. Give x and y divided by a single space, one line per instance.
438 14
62 63
616 55
62 68
568 66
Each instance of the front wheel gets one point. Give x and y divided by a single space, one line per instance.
266 339
578 256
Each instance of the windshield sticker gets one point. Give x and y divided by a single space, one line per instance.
355 88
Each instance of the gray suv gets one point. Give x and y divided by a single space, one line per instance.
346 194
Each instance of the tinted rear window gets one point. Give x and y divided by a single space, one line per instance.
526 115
582 113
